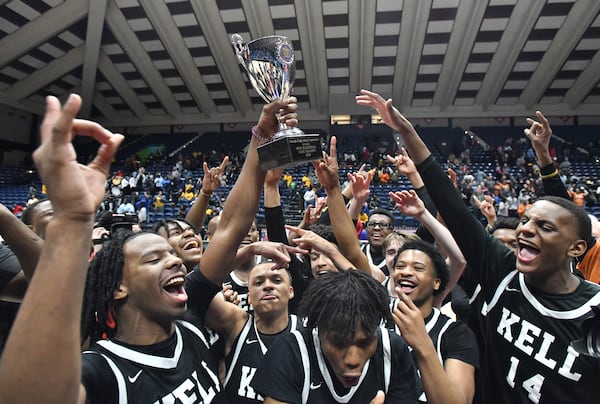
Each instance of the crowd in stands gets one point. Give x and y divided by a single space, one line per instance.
486 297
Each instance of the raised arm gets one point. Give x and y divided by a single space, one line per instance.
410 204
54 299
360 183
343 227
26 245
241 205
540 134
210 183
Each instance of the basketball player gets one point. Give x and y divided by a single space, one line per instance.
534 306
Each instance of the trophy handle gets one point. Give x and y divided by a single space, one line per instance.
240 49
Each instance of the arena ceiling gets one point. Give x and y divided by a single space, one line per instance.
151 62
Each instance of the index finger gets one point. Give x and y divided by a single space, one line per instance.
543 119
333 147
224 163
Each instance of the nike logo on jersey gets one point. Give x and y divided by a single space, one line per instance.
509 289
251 341
134 378
315 386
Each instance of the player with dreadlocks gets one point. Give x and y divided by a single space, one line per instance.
153 355
343 355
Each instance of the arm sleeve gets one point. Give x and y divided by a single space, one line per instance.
280 375
430 206
459 342
275 222
200 293
487 258
553 185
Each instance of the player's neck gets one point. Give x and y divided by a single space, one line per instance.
271 324
144 332
557 283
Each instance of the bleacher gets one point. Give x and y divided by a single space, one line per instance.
16 181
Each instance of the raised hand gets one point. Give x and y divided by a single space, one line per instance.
313 214
403 162
408 202
75 190
273 176
389 114
327 168
212 177
360 184
539 132
278 111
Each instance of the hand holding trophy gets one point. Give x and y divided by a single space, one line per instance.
270 66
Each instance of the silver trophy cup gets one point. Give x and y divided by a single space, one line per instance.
270 66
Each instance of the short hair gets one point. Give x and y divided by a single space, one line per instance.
439 263
27 214
325 231
340 303
384 212
164 224
505 222
399 236
582 220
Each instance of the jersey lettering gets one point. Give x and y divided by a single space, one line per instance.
191 390
245 390
247 307
533 385
530 339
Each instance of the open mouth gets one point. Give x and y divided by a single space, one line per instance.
527 252
174 287
349 381
406 286
190 245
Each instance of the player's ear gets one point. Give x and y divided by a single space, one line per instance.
120 292
577 248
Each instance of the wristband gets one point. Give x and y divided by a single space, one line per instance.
258 135
207 194
551 175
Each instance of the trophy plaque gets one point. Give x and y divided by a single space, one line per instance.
270 66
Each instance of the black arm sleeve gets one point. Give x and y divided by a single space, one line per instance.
430 206
553 185
275 222
488 259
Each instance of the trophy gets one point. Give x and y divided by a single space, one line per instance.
270 66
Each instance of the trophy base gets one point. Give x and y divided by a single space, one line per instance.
287 151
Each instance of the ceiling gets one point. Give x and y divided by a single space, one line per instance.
151 62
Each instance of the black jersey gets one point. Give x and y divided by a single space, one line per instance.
296 371
241 287
366 248
527 355
451 339
247 353
176 370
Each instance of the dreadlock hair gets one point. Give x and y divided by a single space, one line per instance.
103 277
340 303
164 224
439 263
582 220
